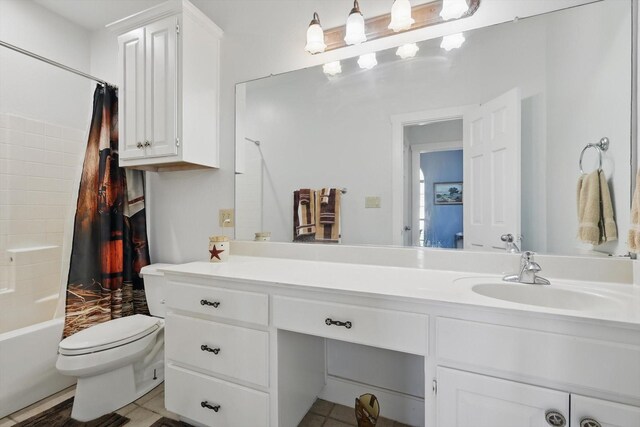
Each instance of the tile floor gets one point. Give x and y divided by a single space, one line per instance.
327 414
150 408
142 413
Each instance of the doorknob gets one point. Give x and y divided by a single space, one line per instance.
589 422
139 145
147 143
555 418
407 228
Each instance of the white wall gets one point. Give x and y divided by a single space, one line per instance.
599 61
44 117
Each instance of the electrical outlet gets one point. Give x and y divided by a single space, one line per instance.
371 202
226 218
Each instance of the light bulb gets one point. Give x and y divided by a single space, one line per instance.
408 50
332 68
401 16
453 9
453 41
367 61
355 26
315 36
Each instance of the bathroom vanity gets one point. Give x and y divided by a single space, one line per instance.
245 343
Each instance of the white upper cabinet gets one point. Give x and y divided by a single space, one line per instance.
168 88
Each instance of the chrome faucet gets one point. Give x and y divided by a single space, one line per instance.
529 270
510 244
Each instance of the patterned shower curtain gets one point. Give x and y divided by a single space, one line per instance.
110 237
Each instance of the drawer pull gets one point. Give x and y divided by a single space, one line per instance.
205 347
555 419
214 304
589 422
330 322
214 408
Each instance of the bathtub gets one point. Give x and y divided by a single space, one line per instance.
28 365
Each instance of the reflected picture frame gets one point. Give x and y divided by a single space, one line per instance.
447 193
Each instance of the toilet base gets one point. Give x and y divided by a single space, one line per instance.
102 394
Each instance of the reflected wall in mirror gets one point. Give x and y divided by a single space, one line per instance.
506 116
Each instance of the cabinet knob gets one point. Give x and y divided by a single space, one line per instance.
214 304
139 145
205 347
328 321
555 418
214 408
589 422
147 143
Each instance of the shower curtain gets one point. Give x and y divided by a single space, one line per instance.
110 237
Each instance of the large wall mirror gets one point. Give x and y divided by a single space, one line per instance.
451 149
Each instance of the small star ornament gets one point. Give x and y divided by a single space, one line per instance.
215 253
218 248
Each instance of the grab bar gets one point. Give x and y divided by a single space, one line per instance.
600 146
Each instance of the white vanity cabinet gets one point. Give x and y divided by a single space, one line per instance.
472 400
217 354
544 373
168 88
246 335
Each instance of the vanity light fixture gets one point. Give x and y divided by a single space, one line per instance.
367 61
454 41
315 36
408 50
355 26
401 16
453 9
332 68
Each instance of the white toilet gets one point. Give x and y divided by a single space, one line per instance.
118 361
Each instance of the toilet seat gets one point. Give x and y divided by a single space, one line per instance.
107 335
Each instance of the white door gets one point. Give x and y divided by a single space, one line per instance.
491 139
586 410
472 400
131 91
161 97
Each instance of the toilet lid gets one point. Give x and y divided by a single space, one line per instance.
109 334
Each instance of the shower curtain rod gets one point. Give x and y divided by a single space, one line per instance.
55 64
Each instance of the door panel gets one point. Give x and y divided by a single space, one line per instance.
608 414
131 114
491 142
472 400
161 102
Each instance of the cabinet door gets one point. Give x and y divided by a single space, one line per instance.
161 90
472 400
131 87
586 412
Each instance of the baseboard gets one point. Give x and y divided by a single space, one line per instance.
396 406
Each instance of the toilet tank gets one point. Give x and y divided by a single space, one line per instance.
154 286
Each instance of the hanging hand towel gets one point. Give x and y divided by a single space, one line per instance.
595 210
609 231
328 217
589 208
634 230
304 214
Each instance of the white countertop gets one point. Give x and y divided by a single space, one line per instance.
413 284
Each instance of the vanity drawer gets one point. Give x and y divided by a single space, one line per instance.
228 304
394 330
186 392
240 353
545 356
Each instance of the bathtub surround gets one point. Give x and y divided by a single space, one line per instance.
110 237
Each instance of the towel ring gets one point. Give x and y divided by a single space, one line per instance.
600 146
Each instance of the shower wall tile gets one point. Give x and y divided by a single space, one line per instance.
40 166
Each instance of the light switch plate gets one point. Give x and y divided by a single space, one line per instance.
226 218
372 202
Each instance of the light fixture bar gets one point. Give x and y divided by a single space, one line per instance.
425 15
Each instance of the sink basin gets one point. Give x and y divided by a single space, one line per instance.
546 296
